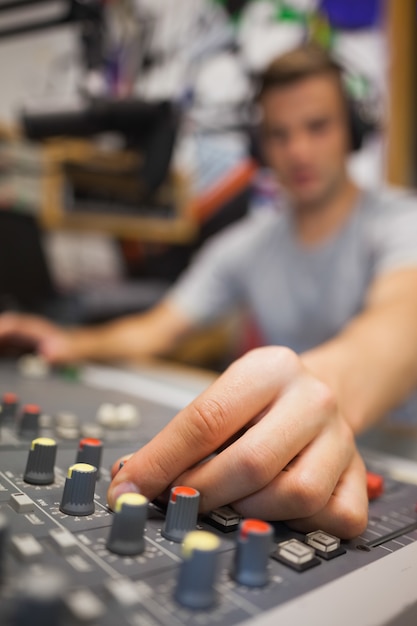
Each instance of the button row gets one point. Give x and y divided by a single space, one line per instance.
67 425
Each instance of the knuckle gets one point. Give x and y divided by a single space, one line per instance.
354 518
274 358
159 467
324 398
258 465
308 495
208 421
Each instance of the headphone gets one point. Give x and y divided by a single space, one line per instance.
361 124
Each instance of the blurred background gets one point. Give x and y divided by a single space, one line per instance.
126 139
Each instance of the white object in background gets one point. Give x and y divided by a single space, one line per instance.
106 414
303 6
127 415
221 80
262 37
39 69
367 166
33 366
364 52
81 260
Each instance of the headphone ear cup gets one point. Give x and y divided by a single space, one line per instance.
255 144
359 127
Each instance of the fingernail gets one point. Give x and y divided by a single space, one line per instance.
118 490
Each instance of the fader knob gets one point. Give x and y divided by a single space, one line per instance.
78 495
126 534
29 421
182 513
195 588
89 451
41 461
40 599
253 548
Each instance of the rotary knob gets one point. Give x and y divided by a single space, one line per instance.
41 461
29 421
195 588
8 406
122 463
253 548
182 513
78 495
40 599
90 451
126 534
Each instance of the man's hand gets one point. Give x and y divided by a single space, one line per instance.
52 342
135 336
290 454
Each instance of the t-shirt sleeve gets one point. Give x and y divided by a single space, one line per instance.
209 287
395 236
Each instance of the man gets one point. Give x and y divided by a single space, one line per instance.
333 276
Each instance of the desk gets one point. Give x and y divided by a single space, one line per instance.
172 385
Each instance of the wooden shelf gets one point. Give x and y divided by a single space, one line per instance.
177 229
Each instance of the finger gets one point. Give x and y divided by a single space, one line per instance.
308 482
255 459
57 347
28 327
117 465
209 421
346 513
49 340
11 323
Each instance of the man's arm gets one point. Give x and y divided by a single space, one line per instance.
148 334
371 366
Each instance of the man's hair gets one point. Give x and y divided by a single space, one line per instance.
306 61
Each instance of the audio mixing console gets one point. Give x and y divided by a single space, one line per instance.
66 560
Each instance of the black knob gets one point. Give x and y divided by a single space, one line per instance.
78 495
40 599
41 461
9 405
253 548
29 421
126 534
182 513
90 451
195 588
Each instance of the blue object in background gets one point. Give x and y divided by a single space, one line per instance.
352 14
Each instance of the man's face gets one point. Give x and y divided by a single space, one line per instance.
305 138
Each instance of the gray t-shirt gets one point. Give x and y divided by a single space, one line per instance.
300 296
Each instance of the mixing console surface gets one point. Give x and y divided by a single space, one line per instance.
80 568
